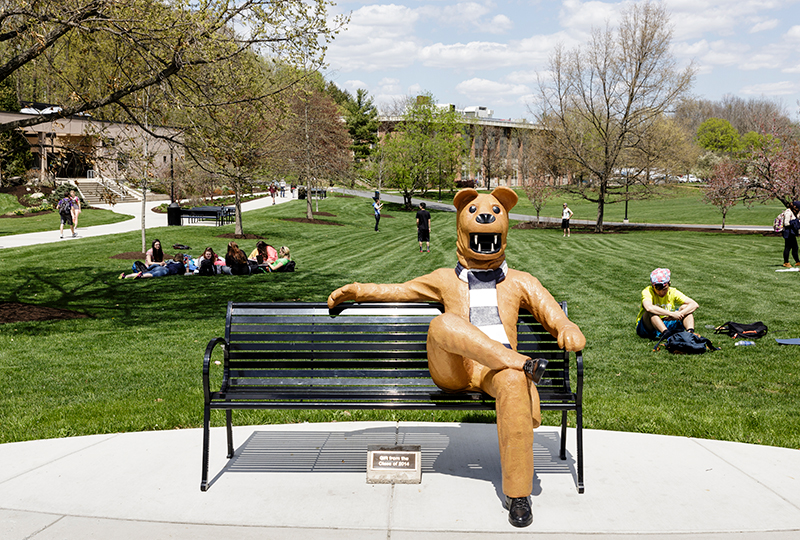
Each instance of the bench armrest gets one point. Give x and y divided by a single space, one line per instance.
207 365
579 378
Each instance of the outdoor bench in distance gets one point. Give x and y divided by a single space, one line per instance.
359 356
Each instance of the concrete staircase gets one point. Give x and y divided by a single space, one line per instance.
95 192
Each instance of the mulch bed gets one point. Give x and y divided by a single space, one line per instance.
131 255
11 312
240 236
313 221
20 191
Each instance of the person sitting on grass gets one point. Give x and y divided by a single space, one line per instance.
154 256
171 268
265 251
210 263
235 261
664 308
281 263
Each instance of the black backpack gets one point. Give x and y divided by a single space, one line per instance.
738 330
685 343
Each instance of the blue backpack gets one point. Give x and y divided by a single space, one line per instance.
684 342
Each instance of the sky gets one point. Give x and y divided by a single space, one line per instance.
489 53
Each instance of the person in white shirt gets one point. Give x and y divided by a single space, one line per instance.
566 213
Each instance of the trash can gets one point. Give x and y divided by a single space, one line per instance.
174 214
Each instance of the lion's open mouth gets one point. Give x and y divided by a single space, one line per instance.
485 243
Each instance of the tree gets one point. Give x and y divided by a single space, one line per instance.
491 152
99 56
535 170
718 135
423 148
15 152
744 115
362 124
231 139
314 144
773 164
725 187
604 100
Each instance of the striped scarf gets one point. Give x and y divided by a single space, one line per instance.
483 311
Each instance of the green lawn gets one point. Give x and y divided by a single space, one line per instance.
134 363
681 204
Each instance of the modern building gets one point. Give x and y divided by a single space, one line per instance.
82 147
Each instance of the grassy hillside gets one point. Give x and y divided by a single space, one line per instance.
134 363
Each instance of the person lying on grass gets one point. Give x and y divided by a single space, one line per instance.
171 268
664 308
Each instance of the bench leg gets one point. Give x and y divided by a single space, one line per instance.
229 427
563 454
579 443
206 422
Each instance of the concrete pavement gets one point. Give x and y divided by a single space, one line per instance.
309 481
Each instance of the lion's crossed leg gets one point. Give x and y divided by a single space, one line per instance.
461 357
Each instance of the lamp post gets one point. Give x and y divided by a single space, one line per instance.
625 174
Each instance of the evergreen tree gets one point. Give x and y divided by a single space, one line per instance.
362 123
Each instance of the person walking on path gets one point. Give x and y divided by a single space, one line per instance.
376 206
65 212
566 214
788 233
424 227
76 207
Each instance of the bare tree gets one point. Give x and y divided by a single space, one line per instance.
314 143
604 101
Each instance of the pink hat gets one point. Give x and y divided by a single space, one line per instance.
659 276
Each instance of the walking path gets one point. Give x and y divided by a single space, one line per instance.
302 481
134 209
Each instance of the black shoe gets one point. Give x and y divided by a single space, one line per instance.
519 511
534 369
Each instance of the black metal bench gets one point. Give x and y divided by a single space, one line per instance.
220 214
359 356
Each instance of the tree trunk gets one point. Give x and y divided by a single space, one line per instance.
601 202
309 209
238 228
144 210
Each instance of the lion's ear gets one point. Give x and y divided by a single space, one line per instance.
463 197
507 197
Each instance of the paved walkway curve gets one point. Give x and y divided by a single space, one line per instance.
134 209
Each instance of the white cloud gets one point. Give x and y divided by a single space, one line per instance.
793 33
485 87
765 25
500 24
761 61
782 88
354 85
583 16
